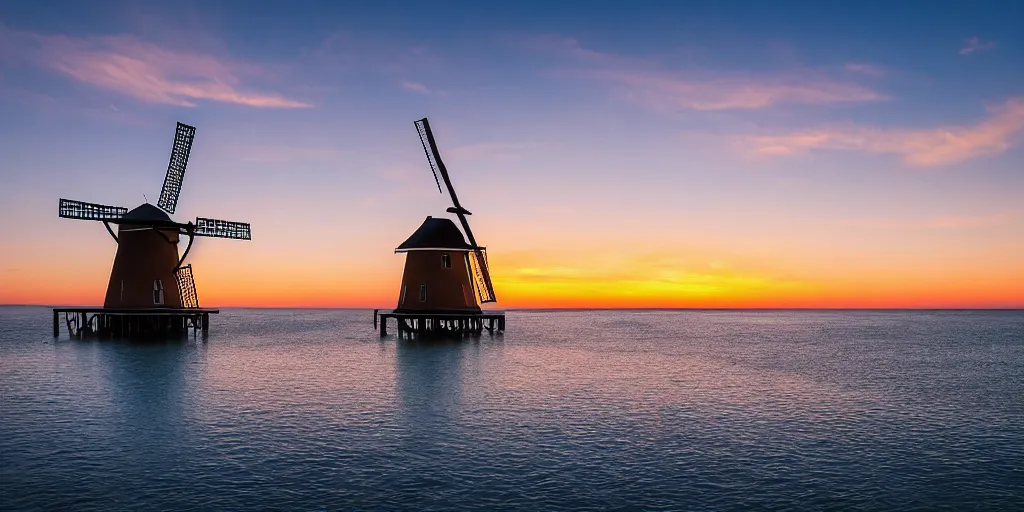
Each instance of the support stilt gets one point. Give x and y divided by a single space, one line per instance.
440 324
131 323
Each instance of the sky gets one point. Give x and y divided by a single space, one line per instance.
614 154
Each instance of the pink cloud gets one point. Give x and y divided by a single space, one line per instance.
656 87
925 147
147 72
664 90
775 150
975 44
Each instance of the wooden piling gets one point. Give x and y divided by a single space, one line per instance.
440 324
131 323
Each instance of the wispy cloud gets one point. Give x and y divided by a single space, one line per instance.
941 222
865 68
975 44
415 87
672 91
419 88
924 147
142 70
658 87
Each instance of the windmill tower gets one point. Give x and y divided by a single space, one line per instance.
148 273
446 278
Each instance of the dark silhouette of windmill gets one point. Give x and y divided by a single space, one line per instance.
446 278
442 270
147 271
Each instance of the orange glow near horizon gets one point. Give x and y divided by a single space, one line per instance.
551 279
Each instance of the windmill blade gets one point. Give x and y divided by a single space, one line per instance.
482 276
481 273
433 156
437 165
70 209
222 229
183 137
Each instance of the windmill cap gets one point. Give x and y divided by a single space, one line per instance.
147 212
436 233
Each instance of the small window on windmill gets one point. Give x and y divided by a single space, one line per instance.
423 293
446 260
401 298
158 292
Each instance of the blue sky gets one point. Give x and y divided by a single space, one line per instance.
800 142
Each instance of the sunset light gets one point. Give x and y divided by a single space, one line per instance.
660 170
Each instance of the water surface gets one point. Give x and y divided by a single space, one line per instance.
581 410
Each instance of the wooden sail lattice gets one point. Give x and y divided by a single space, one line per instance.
222 229
183 137
187 287
71 209
484 288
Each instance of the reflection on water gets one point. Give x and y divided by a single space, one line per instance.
148 394
429 379
308 409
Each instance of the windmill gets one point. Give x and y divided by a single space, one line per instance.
443 271
147 271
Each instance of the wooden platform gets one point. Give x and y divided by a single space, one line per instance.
440 324
132 323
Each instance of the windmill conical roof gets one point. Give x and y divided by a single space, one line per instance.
436 233
147 212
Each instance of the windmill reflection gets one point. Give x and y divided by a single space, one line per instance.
429 377
151 395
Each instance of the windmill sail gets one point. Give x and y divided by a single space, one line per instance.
183 136
427 139
222 229
482 276
187 287
70 209
485 288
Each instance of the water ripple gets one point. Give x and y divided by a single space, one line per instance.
639 410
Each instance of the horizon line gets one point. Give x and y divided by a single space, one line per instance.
882 308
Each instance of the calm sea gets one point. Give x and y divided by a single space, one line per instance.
570 410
